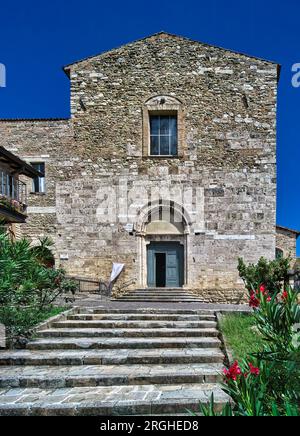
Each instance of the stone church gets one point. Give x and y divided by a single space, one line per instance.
167 164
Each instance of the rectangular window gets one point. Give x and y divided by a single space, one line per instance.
163 135
38 183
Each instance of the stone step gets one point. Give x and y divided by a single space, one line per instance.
159 297
142 324
119 343
157 300
162 293
163 296
163 289
125 333
51 377
139 316
148 310
110 400
112 357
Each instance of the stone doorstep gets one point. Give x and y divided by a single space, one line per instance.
133 324
157 293
140 317
112 357
120 400
119 343
49 377
125 333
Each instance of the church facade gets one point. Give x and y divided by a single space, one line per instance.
167 164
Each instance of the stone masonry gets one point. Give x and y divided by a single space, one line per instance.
99 176
286 240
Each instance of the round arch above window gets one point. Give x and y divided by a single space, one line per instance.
163 100
163 127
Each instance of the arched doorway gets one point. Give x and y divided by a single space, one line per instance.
163 228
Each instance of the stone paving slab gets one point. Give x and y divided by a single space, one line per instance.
142 399
96 301
145 333
141 324
137 343
106 357
97 375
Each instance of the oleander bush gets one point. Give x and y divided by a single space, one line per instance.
28 286
267 382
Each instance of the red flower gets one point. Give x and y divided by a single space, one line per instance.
254 370
254 301
269 299
262 288
233 371
284 295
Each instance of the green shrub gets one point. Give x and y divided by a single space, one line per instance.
28 288
272 386
19 321
43 252
273 274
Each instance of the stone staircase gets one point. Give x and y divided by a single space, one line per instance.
159 295
115 361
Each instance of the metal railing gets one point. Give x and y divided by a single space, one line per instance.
101 287
86 285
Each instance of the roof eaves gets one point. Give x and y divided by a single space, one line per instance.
297 232
22 166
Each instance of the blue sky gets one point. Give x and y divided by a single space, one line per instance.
39 37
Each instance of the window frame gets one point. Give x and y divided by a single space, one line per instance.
163 106
41 186
174 115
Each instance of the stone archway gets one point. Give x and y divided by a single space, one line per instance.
162 222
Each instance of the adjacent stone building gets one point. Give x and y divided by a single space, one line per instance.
13 191
168 165
286 240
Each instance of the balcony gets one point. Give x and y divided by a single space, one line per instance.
13 199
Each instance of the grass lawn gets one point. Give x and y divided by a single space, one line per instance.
241 338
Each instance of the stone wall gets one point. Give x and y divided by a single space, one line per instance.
228 104
286 241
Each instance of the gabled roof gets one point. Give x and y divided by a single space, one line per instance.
18 164
166 34
296 232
